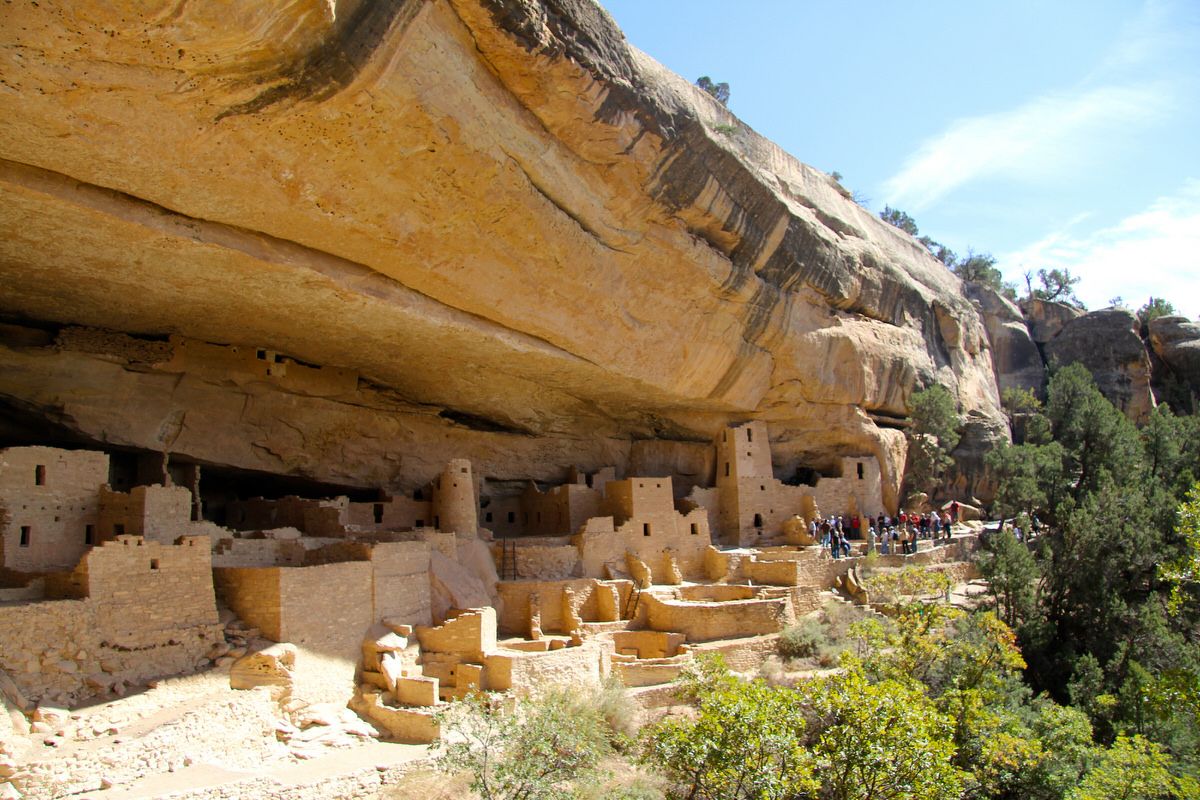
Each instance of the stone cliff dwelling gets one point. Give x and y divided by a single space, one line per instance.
431 593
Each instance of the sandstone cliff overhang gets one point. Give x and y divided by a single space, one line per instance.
494 210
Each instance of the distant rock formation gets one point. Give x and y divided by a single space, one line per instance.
1176 341
1108 344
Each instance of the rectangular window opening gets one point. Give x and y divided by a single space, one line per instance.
645 529
118 529
26 535
860 472
154 563
378 513
39 475
89 534
512 517
695 529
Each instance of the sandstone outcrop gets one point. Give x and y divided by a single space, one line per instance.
1046 318
1108 344
1016 359
1176 340
532 244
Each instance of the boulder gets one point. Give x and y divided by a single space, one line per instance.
1108 344
1046 318
1176 341
273 666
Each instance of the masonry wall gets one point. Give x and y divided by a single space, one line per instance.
253 594
47 503
159 513
526 673
145 610
242 363
401 582
393 514
561 511
323 518
327 608
703 622
589 600
232 552
648 525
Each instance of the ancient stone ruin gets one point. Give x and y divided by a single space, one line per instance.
422 600
458 342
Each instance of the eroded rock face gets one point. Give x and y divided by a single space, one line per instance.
1176 340
1108 344
1046 318
531 242
1015 356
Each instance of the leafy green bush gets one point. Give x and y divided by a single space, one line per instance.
539 749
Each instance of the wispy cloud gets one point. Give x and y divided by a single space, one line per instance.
1152 253
1056 136
1040 139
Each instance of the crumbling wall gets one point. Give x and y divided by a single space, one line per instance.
145 609
321 518
526 672
647 525
471 635
253 594
48 506
158 513
703 622
243 364
588 600
258 552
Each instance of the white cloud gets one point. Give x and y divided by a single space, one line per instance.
1030 143
1153 253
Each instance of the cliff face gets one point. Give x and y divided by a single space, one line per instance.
533 244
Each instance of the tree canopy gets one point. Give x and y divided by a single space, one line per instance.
719 91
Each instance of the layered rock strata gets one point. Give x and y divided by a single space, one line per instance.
526 238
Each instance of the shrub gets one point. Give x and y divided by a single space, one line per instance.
801 640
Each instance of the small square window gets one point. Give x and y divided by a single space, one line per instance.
154 563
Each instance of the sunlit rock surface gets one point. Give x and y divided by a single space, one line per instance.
532 244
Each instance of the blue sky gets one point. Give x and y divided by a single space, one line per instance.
1051 134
